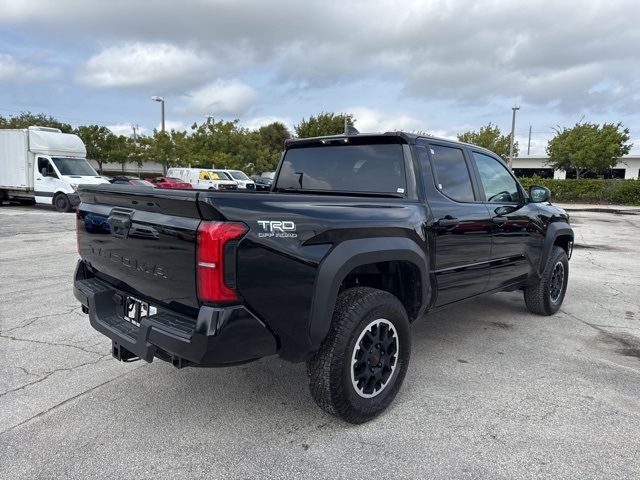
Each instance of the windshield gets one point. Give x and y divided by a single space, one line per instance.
74 166
208 175
377 168
238 175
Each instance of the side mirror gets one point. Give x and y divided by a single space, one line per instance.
539 194
44 172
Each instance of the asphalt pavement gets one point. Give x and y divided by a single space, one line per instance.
492 390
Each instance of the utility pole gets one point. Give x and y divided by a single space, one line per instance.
513 132
529 143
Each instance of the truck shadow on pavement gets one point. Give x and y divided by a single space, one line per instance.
277 391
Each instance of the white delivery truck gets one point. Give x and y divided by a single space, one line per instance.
204 178
43 165
241 178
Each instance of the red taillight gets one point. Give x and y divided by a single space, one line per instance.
216 242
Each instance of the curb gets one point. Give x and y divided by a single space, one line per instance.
614 211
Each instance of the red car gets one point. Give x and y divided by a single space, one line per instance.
169 182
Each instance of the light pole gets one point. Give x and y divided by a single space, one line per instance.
513 132
161 100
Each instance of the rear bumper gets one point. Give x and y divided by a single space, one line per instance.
218 337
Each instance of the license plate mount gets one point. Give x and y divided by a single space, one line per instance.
135 310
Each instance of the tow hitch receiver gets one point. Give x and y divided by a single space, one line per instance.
122 354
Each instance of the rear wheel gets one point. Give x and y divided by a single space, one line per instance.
363 360
62 203
546 296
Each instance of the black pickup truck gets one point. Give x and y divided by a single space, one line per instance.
359 236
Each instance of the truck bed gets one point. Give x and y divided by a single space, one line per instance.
275 267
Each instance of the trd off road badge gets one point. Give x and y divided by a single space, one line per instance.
277 228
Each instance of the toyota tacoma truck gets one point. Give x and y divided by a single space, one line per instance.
360 236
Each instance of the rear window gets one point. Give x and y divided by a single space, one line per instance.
375 168
172 180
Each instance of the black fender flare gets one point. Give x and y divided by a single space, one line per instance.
554 230
351 254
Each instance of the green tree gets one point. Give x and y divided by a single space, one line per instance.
325 123
588 147
160 148
274 135
490 137
97 140
121 150
28 119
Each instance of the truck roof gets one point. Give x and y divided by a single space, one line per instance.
403 137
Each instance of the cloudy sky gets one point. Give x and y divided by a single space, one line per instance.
436 66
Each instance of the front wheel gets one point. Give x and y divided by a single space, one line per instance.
363 360
62 203
546 296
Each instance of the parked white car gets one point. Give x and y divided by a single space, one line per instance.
204 178
44 165
241 178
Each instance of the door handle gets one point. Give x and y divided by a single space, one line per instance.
447 221
499 220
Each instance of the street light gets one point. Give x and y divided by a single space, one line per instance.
513 132
161 100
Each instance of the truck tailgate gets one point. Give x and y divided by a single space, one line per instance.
142 240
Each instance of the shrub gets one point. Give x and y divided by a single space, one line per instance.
626 192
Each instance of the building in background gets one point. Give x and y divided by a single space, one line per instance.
628 168
147 169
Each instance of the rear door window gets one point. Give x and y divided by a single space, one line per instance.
451 173
376 168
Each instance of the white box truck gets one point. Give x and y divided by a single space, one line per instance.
43 165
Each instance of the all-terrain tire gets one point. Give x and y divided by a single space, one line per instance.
62 203
546 296
362 362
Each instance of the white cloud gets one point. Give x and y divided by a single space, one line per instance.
122 129
256 122
221 98
371 120
15 72
173 125
160 65
127 130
